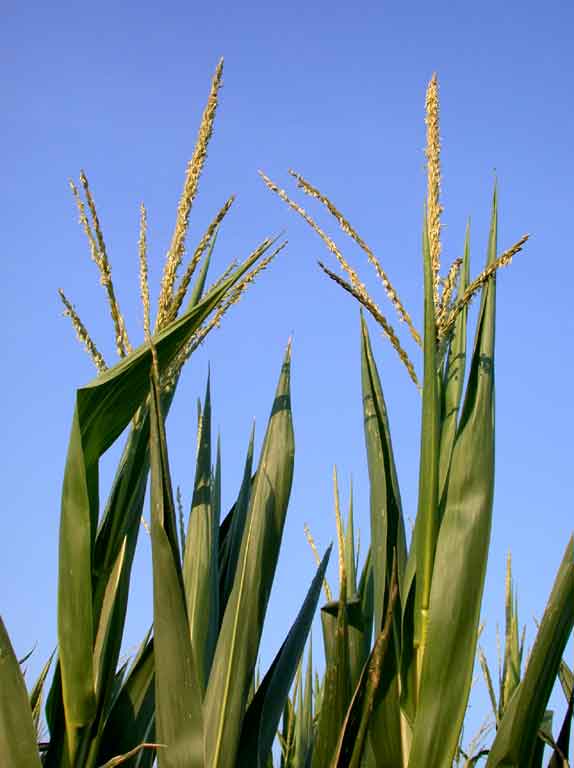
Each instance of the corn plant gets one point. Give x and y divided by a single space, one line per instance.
399 700
187 698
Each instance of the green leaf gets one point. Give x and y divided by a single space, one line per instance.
453 379
264 713
566 679
103 409
387 524
36 693
512 646
17 733
337 691
304 718
230 556
543 737
461 556
179 720
352 741
200 574
387 536
120 759
350 555
131 717
240 634
516 737
427 522
562 748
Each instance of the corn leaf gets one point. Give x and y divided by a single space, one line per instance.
230 554
461 556
337 692
17 733
387 524
426 530
453 378
304 718
200 574
240 634
516 738
179 720
121 759
387 536
131 717
561 751
37 691
103 409
264 712
353 736
566 679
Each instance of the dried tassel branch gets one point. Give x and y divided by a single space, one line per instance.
449 286
85 224
223 277
502 261
181 292
194 169
432 153
364 299
235 295
349 230
144 282
311 540
82 333
353 277
340 533
100 256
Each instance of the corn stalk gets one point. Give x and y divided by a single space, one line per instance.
412 694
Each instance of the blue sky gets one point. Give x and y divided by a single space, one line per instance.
336 92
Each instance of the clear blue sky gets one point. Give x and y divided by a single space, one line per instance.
335 91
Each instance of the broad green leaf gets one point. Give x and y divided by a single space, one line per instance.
427 523
264 713
366 595
107 608
229 560
55 718
566 679
352 741
304 718
121 759
199 285
453 379
516 737
17 733
337 691
489 685
387 536
37 691
562 748
179 720
103 409
512 646
350 562
130 720
240 634
387 524
358 644
286 735
461 556
128 488
200 574
543 737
